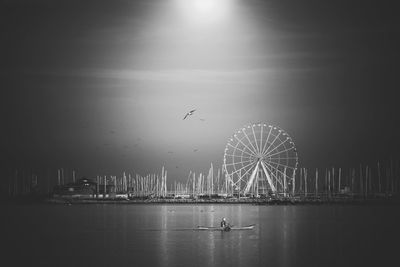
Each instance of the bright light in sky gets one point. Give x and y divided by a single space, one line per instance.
204 11
194 54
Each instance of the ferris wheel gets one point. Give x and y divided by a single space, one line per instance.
260 158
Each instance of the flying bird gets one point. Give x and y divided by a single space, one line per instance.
189 113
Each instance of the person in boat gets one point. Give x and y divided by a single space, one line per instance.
225 225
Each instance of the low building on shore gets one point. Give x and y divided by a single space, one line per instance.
84 188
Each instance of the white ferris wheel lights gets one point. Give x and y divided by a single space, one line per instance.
260 154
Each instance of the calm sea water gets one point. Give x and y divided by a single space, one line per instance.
160 235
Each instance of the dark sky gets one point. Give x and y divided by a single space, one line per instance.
102 86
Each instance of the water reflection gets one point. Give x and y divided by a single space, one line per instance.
163 235
211 235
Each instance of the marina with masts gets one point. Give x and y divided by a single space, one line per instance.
260 164
365 182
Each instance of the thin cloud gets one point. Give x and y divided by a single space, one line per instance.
178 75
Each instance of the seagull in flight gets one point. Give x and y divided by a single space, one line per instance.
189 113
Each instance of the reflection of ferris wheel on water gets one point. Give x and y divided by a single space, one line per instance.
260 158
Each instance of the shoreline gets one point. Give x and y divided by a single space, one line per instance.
266 202
298 200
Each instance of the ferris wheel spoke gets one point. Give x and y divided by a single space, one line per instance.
279 164
255 140
288 158
276 137
261 137
266 141
248 139
241 177
231 164
238 170
245 146
280 152
270 144
243 156
276 147
275 168
237 156
251 155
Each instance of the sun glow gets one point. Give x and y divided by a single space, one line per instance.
204 11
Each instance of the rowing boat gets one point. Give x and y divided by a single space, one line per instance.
213 228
